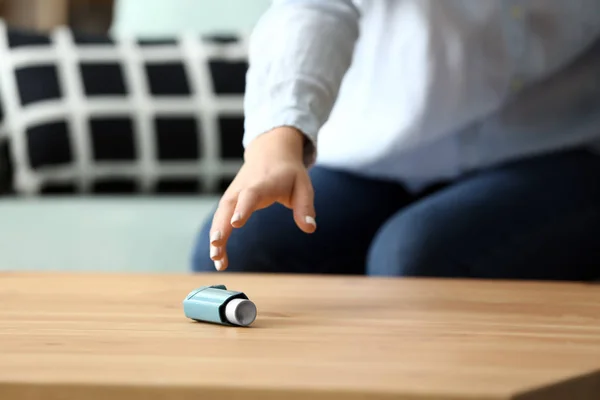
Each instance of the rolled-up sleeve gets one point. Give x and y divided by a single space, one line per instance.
299 53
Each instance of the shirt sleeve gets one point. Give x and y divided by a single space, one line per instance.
299 53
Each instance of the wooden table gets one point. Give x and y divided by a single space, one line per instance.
124 337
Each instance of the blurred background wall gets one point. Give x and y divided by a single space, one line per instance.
142 18
151 18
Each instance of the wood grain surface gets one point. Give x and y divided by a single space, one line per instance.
95 336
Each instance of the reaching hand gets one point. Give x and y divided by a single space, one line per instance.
273 172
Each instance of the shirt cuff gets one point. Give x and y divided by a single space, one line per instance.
260 123
297 103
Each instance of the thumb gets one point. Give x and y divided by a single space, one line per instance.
303 204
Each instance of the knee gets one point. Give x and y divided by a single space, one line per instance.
407 245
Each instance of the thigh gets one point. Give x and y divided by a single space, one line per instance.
349 210
534 219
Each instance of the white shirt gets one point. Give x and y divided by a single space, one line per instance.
420 91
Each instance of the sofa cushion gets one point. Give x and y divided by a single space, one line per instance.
90 114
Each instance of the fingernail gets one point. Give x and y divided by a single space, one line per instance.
310 220
236 217
214 251
215 236
218 265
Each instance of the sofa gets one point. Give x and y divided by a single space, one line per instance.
113 152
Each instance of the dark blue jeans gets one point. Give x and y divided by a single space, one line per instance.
537 218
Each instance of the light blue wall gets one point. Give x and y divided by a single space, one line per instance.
152 18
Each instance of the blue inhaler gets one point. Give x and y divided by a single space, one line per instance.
218 305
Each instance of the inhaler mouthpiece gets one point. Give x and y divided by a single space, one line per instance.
240 312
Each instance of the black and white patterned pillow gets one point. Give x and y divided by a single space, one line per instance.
85 114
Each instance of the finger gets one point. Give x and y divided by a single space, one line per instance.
303 204
223 263
221 227
248 202
216 252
